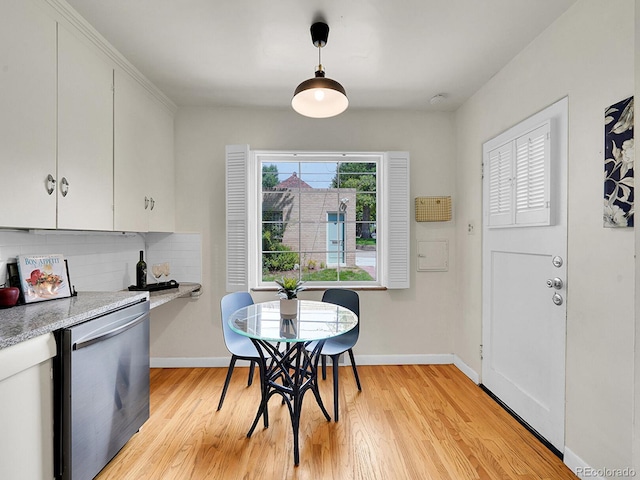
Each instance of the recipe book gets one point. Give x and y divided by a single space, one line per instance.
43 277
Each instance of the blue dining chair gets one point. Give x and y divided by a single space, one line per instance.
240 347
336 346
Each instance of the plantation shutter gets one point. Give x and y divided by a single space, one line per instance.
532 192
398 209
237 162
500 181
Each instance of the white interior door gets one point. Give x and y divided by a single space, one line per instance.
524 275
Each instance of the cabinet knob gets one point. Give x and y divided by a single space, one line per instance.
51 184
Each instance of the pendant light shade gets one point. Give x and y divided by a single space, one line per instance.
320 97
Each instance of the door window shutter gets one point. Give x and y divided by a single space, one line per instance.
237 162
500 183
398 225
532 196
519 180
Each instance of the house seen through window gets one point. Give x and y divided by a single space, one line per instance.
319 218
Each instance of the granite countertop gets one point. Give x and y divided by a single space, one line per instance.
24 322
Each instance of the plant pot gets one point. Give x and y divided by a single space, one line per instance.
288 328
288 308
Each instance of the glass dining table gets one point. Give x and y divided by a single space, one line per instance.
289 350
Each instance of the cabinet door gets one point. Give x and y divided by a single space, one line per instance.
143 178
85 136
131 200
27 115
26 409
161 172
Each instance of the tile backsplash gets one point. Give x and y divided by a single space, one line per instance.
106 261
183 251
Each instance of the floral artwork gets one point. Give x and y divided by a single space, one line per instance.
618 165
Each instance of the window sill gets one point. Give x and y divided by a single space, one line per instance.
321 288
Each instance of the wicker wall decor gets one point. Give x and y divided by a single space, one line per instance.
433 209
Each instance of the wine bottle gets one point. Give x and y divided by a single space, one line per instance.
141 272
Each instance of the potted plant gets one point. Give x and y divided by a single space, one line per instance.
288 293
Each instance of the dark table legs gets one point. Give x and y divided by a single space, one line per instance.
289 373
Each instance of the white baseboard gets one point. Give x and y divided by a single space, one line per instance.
466 369
429 359
432 359
193 362
580 467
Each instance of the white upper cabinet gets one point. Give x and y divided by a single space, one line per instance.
143 160
131 202
27 115
85 136
81 146
160 167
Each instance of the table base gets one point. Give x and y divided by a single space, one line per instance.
290 374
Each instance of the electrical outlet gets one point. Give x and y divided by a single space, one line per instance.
471 228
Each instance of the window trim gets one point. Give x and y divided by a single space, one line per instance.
259 156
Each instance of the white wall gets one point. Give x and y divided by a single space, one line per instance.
588 55
413 322
636 418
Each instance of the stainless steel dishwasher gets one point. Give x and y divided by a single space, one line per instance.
102 389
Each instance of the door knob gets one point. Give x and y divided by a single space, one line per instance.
555 283
557 299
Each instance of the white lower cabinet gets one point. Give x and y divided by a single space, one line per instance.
26 409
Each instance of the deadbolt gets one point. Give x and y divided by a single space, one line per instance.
557 261
555 283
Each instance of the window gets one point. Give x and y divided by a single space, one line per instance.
318 216
328 218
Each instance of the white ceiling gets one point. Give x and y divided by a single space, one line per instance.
386 53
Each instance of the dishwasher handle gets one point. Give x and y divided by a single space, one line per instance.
85 342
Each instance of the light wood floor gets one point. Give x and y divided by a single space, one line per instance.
409 422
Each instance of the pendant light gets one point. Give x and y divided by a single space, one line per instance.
319 97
